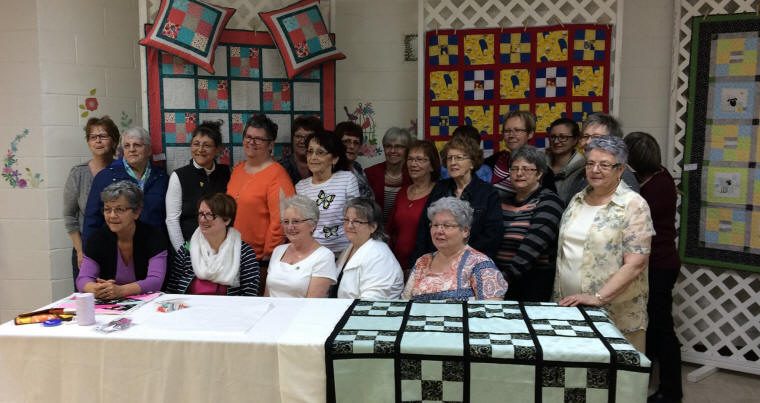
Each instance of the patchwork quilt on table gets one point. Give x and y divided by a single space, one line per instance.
720 219
475 76
399 351
249 78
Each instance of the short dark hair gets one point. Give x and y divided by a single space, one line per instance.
221 204
210 129
108 125
349 128
432 154
261 121
574 129
468 146
469 131
333 145
309 123
643 153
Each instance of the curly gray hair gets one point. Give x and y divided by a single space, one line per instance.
305 206
128 189
611 144
459 208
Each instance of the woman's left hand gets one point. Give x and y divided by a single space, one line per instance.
580 299
108 289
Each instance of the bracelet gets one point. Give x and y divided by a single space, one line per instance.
599 297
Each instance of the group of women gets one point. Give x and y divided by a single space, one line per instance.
315 224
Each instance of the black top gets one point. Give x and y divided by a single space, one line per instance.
146 243
196 183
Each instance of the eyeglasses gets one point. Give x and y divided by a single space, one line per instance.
286 222
116 210
456 158
603 166
513 132
256 140
560 139
94 137
444 226
351 142
349 222
202 215
316 152
202 146
515 170
297 138
417 160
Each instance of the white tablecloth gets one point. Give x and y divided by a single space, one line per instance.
221 349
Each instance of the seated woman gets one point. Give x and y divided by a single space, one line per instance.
528 250
125 257
455 271
604 243
368 269
217 261
303 267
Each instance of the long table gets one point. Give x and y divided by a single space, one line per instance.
224 349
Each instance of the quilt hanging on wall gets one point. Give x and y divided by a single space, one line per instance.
476 76
249 78
720 217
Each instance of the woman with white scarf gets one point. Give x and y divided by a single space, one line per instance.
216 261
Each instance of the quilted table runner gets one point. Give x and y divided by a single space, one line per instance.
402 351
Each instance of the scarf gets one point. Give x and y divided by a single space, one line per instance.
222 267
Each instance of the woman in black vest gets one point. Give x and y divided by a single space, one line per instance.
202 176
125 257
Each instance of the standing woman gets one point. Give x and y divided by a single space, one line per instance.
424 167
102 138
330 186
565 160
257 185
387 178
604 243
352 137
295 162
659 190
202 176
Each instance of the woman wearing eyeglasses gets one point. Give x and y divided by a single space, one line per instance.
126 256
565 161
518 128
202 176
295 162
604 243
424 167
302 268
455 271
352 137
368 269
216 261
330 186
387 178
528 249
463 156
102 138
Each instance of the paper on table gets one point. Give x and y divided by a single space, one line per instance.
207 315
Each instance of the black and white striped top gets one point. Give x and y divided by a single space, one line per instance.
182 274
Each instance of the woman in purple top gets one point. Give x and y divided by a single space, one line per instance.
125 257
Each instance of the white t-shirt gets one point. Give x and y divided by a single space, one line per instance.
572 248
292 280
331 196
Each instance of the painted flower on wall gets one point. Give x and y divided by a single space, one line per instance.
11 174
90 104
364 116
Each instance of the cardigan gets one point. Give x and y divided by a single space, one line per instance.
182 273
376 178
372 273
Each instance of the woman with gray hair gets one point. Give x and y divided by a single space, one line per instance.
368 268
604 243
135 167
528 249
387 178
455 271
126 256
303 267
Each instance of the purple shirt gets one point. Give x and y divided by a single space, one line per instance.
125 273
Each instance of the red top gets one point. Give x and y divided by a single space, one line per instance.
402 226
376 178
660 192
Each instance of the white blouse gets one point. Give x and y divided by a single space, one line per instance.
292 280
372 273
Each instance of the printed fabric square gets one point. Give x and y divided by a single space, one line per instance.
589 44
588 81
551 46
443 50
238 124
734 54
189 29
479 117
514 48
213 94
546 113
245 61
277 96
551 82
478 49
581 110
444 85
179 126
514 84
443 120
478 85
173 65
301 36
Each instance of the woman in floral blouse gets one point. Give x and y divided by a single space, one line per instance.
455 271
604 243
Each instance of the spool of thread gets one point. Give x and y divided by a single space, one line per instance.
85 305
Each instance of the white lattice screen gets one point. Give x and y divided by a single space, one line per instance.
717 311
461 14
